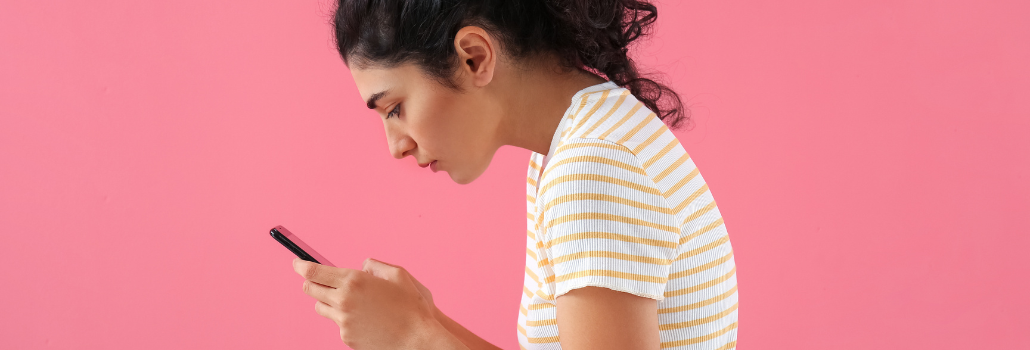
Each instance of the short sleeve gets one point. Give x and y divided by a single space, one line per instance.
604 222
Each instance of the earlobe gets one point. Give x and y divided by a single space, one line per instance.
476 49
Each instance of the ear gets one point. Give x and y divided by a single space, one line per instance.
478 54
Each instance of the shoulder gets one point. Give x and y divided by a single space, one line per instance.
616 116
599 168
583 156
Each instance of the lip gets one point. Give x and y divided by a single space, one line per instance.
432 166
423 165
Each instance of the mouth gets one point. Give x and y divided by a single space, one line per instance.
431 165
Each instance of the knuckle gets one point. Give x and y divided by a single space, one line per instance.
351 283
310 272
337 299
346 305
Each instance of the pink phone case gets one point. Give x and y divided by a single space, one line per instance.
292 239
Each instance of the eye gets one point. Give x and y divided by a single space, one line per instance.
395 112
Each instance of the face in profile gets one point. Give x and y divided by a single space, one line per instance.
442 128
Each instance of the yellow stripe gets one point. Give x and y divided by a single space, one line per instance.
601 178
523 311
701 286
704 267
728 346
541 323
530 216
540 306
608 273
591 144
707 228
611 255
675 165
690 198
594 159
531 254
527 292
650 139
661 153
606 198
704 248
699 304
612 236
636 129
611 217
590 113
700 212
543 340
707 337
530 181
621 121
531 234
532 275
530 199
682 182
541 294
534 165
697 322
582 103
618 103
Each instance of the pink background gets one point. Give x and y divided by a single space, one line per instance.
871 159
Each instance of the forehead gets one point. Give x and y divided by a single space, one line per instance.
371 80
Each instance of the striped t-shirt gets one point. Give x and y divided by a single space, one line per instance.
619 204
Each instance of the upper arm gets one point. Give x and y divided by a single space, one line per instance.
604 223
601 318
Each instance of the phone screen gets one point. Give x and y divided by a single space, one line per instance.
297 246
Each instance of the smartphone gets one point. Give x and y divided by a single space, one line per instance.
297 246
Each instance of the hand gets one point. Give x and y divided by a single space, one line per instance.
380 307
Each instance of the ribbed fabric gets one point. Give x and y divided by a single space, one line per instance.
619 204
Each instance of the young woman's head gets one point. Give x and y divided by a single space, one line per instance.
450 77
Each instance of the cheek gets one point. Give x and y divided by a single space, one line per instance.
446 129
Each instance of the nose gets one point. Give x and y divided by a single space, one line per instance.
400 143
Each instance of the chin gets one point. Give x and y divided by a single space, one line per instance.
461 179
465 177
468 172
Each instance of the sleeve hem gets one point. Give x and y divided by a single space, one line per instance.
568 288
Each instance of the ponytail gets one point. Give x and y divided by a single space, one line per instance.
596 34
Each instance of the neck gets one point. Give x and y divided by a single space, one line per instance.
534 103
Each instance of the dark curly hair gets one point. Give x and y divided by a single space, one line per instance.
590 34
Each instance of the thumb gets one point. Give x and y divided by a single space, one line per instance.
382 270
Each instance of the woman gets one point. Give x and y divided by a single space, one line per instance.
625 246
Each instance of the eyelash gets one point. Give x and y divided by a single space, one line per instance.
396 110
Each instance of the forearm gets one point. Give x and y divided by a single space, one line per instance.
437 337
471 340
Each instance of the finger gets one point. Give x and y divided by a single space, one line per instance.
327 311
321 274
321 293
382 270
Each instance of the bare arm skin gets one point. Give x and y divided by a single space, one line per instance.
599 318
383 307
472 341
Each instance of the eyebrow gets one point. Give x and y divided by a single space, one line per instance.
371 103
